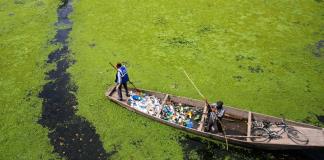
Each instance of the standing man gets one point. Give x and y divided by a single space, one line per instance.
121 80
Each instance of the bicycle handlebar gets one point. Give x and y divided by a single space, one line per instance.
283 118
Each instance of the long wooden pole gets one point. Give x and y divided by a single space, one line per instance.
237 136
223 128
194 84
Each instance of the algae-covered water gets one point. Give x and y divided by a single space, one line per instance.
264 56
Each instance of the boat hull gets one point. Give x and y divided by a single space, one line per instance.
237 113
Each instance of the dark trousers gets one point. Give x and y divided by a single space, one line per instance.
216 124
210 124
219 125
119 90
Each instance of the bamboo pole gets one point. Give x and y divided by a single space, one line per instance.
223 128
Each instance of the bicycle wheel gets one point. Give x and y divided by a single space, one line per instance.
263 135
297 136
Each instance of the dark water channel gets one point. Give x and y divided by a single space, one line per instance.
72 136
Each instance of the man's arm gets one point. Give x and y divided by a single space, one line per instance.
208 106
220 113
119 78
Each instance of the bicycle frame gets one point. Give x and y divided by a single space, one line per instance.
269 134
275 134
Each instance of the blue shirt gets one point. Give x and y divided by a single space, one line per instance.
122 76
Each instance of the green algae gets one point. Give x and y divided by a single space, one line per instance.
262 56
26 26
253 55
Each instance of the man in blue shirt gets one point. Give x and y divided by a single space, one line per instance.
121 80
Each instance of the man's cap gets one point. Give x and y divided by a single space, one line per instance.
219 104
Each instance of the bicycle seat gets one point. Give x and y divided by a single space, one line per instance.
279 123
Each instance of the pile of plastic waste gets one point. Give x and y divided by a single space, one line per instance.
183 115
145 103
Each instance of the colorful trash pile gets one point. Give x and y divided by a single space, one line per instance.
145 103
183 115
177 113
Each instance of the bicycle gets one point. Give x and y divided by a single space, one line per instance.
263 132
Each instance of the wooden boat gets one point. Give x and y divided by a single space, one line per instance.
237 124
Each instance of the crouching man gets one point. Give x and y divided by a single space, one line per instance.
215 116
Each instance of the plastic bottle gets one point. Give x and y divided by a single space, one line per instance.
189 124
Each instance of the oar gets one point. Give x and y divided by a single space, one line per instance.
223 128
238 136
128 81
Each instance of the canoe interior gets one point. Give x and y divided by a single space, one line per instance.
236 122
